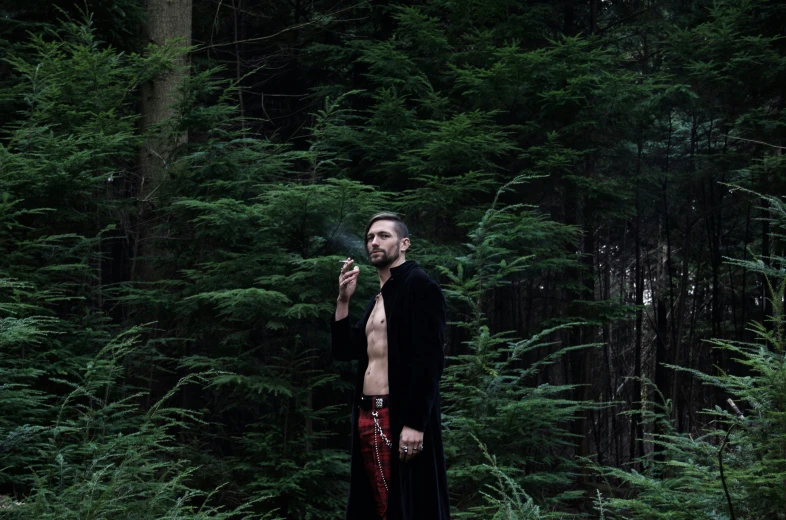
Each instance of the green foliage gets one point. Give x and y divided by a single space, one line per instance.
95 453
205 381
79 439
491 391
507 500
245 292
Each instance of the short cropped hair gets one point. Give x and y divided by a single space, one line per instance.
398 224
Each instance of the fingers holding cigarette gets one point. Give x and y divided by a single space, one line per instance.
349 277
347 263
347 280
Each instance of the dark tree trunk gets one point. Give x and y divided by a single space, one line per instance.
636 431
167 20
569 18
593 16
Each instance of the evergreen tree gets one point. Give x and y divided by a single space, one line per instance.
492 398
203 301
75 439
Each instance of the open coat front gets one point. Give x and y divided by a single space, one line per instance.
415 310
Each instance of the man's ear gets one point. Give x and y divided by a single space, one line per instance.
404 244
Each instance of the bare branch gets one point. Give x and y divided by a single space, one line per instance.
753 141
291 28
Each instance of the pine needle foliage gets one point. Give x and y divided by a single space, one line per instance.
491 393
78 438
99 456
507 499
245 291
195 373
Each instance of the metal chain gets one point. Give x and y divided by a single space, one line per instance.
378 430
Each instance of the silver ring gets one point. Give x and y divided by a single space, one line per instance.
420 448
404 449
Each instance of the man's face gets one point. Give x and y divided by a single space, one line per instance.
383 245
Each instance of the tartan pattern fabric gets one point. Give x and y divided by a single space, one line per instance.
376 456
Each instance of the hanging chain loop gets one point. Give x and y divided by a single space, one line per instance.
379 433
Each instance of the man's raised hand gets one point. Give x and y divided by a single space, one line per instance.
347 281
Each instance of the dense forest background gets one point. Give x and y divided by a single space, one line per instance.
596 184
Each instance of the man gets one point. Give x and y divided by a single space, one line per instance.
397 465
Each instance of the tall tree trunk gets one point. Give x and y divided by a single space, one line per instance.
167 20
744 297
663 311
609 373
237 5
569 18
585 365
681 403
636 430
766 307
582 362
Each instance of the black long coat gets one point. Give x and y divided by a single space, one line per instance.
415 312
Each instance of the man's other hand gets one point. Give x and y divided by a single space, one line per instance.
412 440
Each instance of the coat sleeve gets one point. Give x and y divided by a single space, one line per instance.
345 344
427 356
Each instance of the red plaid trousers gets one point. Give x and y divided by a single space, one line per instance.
376 453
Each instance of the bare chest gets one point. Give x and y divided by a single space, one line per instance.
377 320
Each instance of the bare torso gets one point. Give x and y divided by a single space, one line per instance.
375 381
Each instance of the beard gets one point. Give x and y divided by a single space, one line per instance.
385 259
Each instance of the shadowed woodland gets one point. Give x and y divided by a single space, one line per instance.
596 185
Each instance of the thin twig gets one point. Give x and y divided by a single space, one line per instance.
753 141
621 20
722 476
291 28
735 408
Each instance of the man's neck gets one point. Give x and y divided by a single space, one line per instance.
384 272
